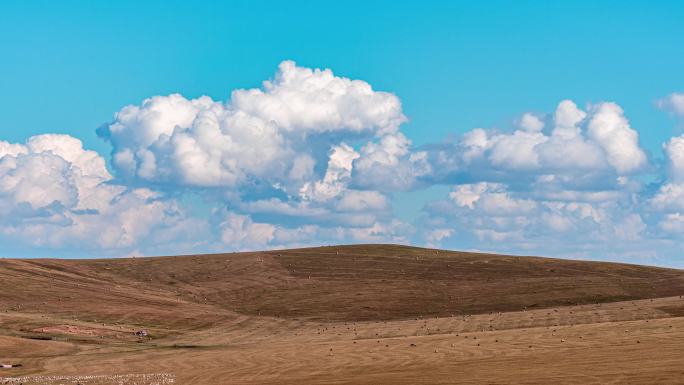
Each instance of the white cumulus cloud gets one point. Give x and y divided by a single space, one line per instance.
274 134
55 194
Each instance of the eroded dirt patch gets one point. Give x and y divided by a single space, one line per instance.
75 330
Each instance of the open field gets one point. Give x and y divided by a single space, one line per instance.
365 314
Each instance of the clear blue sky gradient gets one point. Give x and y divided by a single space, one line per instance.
67 66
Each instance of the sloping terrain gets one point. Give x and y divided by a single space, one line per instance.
342 314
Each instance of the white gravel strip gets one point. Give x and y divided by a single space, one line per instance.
114 379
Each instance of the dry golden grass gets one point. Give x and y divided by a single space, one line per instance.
364 314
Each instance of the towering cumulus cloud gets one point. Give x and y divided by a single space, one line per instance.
284 149
274 134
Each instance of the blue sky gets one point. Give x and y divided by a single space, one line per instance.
68 67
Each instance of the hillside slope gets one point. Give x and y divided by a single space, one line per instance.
363 314
360 282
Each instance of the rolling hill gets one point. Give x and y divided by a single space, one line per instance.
306 316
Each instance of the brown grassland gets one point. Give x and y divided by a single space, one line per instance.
362 314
